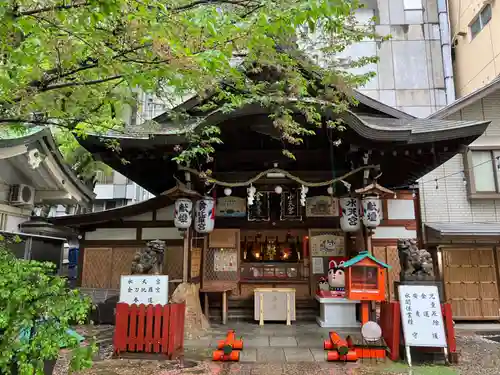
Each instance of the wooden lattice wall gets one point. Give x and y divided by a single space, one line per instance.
470 281
103 267
389 255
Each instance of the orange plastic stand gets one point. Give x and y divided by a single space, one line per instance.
228 349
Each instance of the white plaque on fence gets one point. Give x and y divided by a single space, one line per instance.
144 289
421 316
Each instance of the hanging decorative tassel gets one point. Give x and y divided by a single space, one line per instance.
303 192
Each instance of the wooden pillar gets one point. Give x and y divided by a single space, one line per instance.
185 260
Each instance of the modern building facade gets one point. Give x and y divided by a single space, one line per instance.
460 209
475 26
414 73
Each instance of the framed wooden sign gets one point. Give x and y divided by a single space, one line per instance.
290 208
260 209
322 206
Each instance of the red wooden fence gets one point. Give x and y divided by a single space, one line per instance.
390 322
149 329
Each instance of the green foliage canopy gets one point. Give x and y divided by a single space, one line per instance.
33 299
78 64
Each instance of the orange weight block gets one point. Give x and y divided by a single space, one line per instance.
336 342
219 355
230 341
333 356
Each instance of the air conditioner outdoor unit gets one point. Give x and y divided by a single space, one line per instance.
22 195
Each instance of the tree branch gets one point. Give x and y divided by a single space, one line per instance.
84 83
49 9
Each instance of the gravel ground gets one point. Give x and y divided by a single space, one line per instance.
478 356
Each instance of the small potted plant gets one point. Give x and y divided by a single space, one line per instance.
36 313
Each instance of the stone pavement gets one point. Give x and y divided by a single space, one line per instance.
302 342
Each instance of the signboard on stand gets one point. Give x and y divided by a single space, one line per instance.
422 318
144 289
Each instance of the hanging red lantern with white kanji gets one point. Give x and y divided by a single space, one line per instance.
204 215
371 211
183 209
349 214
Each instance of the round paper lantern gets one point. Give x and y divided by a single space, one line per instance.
278 189
350 220
183 213
227 192
371 212
204 215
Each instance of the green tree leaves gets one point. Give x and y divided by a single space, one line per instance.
79 63
36 310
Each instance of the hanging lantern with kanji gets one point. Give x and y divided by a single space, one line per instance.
371 211
204 215
183 209
349 214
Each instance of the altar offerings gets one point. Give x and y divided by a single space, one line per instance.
422 318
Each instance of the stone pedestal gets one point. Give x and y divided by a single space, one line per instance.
337 313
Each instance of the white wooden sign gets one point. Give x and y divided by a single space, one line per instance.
144 289
421 316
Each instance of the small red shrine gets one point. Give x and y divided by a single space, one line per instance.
365 278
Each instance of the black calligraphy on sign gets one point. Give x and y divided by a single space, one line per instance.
351 212
201 224
183 213
290 207
408 309
372 211
130 281
260 209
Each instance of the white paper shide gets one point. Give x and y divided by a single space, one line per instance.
421 316
144 289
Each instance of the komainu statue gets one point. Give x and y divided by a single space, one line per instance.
149 259
416 264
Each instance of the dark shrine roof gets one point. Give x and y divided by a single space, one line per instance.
162 200
371 125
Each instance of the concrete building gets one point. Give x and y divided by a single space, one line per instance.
33 174
475 26
460 210
414 73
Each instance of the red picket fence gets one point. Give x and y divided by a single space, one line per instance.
149 329
390 322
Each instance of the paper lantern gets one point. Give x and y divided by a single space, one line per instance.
204 215
183 213
349 214
371 212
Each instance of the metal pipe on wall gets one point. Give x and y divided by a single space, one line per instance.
445 33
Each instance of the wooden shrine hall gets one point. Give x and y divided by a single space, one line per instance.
280 230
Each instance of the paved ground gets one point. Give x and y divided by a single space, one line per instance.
277 349
271 342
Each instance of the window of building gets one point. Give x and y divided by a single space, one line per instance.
482 168
102 178
480 21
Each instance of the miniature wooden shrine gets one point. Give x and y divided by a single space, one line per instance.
365 281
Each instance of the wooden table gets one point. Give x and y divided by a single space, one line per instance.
223 291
